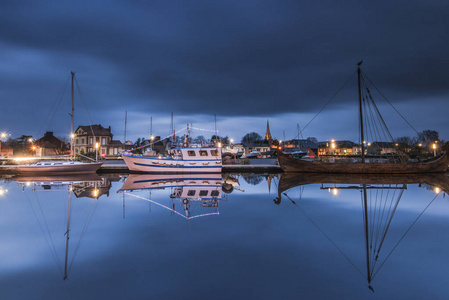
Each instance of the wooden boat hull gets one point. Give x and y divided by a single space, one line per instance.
83 168
289 164
139 164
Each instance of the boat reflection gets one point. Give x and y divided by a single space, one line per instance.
380 197
192 192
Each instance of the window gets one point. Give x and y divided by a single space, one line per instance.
103 141
191 193
215 193
191 153
115 151
91 141
214 152
203 153
203 193
76 141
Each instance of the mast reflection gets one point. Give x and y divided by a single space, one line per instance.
380 197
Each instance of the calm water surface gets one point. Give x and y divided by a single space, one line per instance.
244 242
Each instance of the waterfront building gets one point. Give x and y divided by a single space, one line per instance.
5 150
86 138
49 145
336 148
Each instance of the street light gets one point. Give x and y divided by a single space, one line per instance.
333 148
97 145
435 149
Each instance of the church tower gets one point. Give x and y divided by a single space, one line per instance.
268 135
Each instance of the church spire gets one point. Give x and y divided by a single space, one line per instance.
268 134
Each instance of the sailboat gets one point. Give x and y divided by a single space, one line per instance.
366 166
380 197
60 167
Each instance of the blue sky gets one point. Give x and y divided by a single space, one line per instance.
245 61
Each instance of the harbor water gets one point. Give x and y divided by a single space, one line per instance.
255 237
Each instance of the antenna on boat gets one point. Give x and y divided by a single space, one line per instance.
172 128
126 116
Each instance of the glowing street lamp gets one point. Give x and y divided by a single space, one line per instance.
97 145
434 149
333 148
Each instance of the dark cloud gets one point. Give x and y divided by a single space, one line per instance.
234 58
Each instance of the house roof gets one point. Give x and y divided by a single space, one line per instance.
96 128
383 144
304 143
254 145
115 143
49 141
5 146
338 144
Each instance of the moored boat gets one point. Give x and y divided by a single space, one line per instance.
60 167
180 160
396 164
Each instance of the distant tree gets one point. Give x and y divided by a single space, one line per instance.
139 142
225 140
405 143
251 137
21 145
427 137
199 139
312 139
253 179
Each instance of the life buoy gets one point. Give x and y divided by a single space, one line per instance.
185 201
185 145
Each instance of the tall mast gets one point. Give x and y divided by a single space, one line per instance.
126 116
71 120
362 138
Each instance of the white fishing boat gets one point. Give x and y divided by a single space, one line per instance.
60 167
183 159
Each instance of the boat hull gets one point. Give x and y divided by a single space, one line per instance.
84 168
138 164
289 164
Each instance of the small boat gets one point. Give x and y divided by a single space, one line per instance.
182 159
60 167
253 154
437 164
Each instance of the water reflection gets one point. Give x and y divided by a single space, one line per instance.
335 231
192 192
81 185
380 197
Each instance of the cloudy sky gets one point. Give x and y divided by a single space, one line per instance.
245 61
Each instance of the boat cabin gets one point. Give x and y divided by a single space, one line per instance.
192 153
